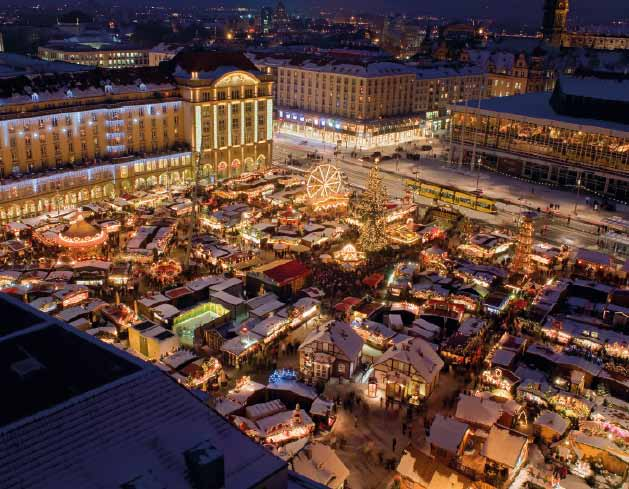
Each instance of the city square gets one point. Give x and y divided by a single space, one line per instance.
245 267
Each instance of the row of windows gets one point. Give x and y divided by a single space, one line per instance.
562 144
68 119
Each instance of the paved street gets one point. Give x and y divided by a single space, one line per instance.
494 185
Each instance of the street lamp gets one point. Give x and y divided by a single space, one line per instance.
576 202
415 173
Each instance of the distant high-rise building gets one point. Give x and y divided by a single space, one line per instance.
280 17
266 19
555 21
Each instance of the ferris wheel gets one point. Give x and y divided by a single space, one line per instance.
324 181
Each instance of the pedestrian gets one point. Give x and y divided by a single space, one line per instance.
393 444
381 401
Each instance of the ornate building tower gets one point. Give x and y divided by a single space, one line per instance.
555 20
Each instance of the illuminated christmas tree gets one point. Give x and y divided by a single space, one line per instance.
371 210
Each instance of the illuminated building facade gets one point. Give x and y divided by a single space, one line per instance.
135 131
349 105
436 88
580 142
108 56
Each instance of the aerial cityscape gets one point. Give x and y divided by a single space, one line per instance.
334 245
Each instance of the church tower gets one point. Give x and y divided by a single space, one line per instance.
555 20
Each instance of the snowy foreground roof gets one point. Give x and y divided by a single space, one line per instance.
87 415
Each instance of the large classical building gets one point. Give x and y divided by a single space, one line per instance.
352 102
555 31
72 138
575 137
351 105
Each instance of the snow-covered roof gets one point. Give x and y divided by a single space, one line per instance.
552 421
226 284
602 443
504 447
595 257
166 311
226 298
361 69
321 407
320 463
225 406
448 72
179 358
298 388
417 353
339 334
477 411
266 326
268 423
153 299
503 358
426 472
260 300
447 433
267 308
245 392
262 410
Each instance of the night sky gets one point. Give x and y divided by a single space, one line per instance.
585 10
581 11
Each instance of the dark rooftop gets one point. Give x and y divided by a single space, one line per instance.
143 326
164 335
44 367
207 61
78 47
603 97
15 317
85 80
